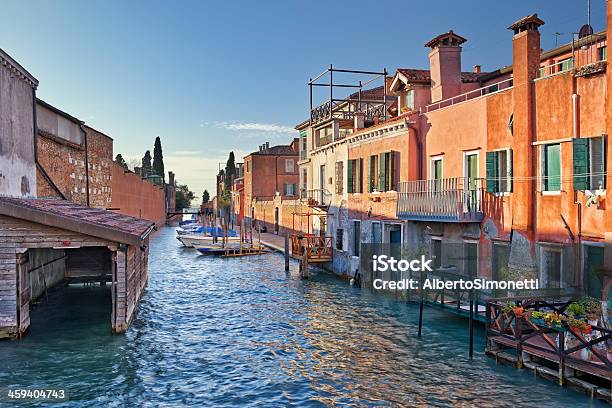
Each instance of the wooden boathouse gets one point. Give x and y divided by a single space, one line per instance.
44 242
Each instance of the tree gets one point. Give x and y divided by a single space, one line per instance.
146 164
158 158
230 171
205 197
120 161
182 197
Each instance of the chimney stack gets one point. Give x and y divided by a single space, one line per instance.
525 66
445 65
477 69
267 145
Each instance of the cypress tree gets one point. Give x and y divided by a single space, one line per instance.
230 171
158 158
146 164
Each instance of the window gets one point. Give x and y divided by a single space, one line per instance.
373 173
289 165
376 233
247 167
550 268
303 145
499 261
566 65
436 168
550 167
387 178
304 180
499 171
408 100
339 177
471 259
603 53
589 156
339 238
356 237
289 189
355 176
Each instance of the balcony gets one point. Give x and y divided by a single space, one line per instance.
316 197
457 199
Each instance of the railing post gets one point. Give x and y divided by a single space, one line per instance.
561 357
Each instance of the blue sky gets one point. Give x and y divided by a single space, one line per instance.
210 77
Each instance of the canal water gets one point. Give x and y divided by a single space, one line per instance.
242 332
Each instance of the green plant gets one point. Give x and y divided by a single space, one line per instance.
580 324
576 309
553 318
538 315
592 306
508 307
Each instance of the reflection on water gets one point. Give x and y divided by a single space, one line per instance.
234 332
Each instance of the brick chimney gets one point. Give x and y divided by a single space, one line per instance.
445 65
525 66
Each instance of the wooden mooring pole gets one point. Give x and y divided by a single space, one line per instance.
471 324
421 304
286 251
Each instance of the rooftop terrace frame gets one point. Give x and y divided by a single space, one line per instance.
339 108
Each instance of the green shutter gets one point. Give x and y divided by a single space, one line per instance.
581 163
382 172
553 167
492 172
349 180
393 170
598 162
371 175
510 172
359 188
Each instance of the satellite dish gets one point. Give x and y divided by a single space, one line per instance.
585 31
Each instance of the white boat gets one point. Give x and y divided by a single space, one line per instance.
191 240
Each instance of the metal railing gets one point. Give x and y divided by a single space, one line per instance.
316 197
457 199
476 93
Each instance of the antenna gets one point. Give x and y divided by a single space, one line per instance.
589 12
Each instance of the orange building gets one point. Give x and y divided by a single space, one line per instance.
270 185
514 170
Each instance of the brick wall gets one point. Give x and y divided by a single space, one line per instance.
100 157
64 163
134 196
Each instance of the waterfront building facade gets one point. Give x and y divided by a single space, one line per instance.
270 186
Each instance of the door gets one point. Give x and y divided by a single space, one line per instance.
594 264
471 259
276 220
471 179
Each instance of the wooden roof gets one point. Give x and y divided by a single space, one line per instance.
67 215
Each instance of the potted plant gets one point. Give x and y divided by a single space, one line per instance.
537 317
576 310
554 321
518 311
592 308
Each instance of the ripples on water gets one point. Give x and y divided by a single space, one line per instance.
235 332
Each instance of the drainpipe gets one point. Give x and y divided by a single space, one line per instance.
576 131
81 126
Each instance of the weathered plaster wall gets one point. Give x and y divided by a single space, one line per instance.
17 159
